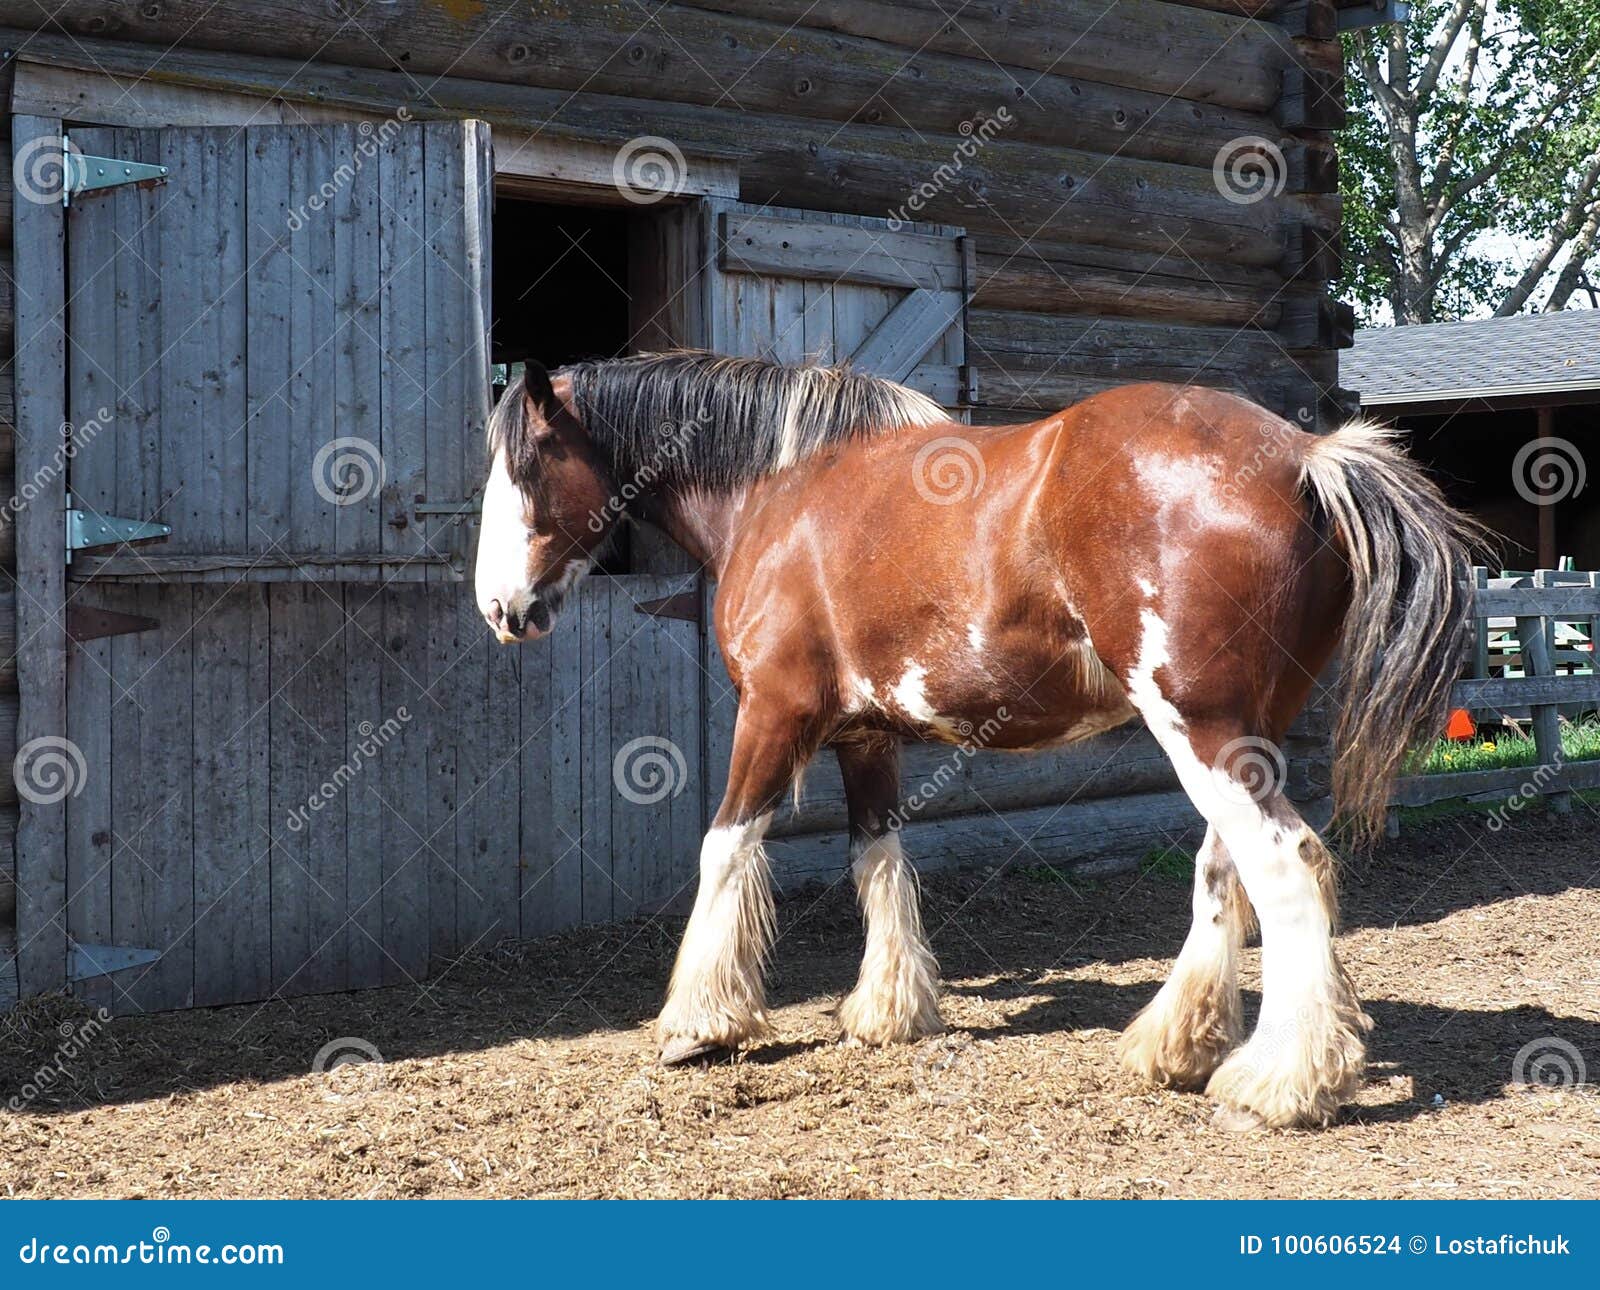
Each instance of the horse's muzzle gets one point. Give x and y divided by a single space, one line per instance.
526 620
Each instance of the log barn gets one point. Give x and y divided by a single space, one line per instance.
262 743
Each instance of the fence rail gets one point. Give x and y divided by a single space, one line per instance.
1547 612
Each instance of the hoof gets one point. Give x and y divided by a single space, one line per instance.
682 1050
1231 1119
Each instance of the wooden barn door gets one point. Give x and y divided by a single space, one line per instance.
888 297
301 752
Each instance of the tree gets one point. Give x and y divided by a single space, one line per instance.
1476 117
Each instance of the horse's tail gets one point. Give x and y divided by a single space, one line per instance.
1409 556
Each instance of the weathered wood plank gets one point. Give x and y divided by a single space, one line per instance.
39 265
233 828
1538 602
912 328
778 246
1524 691
307 716
152 810
551 774
404 776
1506 783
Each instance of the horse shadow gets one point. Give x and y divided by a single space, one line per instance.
608 982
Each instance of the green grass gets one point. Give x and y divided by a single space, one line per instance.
1169 862
1498 747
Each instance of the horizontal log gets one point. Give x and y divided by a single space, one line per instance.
1316 322
1057 193
1046 362
1524 691
1045 277
1098 833
944 781
1521 782
686 54
1186 52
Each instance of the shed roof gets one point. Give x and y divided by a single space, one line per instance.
1496 358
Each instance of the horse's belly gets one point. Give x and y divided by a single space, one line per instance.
1013 694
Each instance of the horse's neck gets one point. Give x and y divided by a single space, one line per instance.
701 523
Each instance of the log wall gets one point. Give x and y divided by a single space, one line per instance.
1096 198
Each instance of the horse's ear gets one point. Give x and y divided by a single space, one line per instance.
538 395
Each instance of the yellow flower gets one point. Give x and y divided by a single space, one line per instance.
1488 747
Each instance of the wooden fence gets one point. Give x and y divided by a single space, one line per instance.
1544 676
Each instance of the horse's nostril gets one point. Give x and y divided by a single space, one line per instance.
514 623
496 613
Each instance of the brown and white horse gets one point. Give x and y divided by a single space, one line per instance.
883 573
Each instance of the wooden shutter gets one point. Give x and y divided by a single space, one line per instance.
289 338
799 285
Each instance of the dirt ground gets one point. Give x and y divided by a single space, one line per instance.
530 1072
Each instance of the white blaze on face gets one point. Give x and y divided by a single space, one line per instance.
502 568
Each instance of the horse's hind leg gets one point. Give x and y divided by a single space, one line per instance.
1183 1034
717 998
896 997
1307 1053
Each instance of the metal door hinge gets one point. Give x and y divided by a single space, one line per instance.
87 623
685 606
88 174
87 530
85 962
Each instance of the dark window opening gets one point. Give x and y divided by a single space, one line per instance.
560 296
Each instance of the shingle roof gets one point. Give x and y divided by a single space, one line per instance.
1494 358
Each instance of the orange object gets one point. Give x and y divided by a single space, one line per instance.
1461 725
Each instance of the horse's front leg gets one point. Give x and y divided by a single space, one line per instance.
897 994
717 999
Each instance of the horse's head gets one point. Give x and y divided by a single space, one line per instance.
547 509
